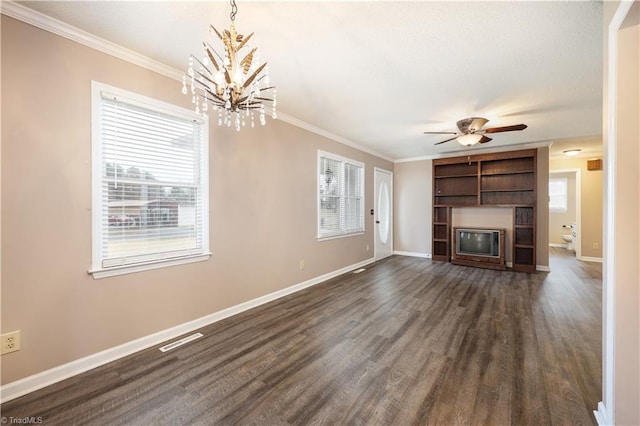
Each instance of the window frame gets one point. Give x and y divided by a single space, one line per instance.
97 269
344 162
555 208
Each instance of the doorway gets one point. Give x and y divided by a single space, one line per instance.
571 214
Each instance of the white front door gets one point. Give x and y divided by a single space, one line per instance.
383 213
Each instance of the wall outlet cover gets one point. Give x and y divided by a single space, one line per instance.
10 342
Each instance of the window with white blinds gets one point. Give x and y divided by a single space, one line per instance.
558 195
150 174
340 196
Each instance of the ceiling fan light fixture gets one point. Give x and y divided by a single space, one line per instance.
469 139
571 152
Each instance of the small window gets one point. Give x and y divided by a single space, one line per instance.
558 195
340 196
150 183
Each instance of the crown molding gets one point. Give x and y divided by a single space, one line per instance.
62 29
318 131
529 145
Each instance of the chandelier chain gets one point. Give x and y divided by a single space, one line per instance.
234 10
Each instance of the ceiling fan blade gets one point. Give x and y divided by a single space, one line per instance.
440 133
505 128
438 143
485 139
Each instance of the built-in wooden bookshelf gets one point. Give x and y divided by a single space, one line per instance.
506 179
441 233
524 239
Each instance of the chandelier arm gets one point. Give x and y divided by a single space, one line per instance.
246 61
243 42
218 102
246 107
216 31
202 65
253 76
211 58
205 88
227 77
206 78
209 47
215 101
263 99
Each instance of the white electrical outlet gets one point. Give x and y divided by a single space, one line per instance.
367 247
595 246
301 265
11 342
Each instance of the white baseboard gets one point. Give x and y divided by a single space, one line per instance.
591 259
413 254
602 416
543 268
48 377
557 245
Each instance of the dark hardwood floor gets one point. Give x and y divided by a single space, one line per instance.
408 341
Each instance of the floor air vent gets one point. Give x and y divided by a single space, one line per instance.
357 271
181 342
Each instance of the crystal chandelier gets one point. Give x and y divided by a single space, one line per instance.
233 85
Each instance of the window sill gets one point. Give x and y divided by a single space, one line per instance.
130 269
333 237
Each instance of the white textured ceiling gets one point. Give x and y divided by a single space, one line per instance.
381 73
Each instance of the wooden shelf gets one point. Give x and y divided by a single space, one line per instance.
461 194
512 172
457 176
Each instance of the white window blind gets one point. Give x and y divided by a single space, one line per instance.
558 194
340 196
150 180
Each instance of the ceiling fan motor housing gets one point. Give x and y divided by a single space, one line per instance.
471 125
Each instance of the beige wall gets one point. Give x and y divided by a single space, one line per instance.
557 219
590 205
412 186
262 211
622 283
413 208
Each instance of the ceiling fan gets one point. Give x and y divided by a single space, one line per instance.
471 131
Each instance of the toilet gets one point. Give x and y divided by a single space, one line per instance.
570 239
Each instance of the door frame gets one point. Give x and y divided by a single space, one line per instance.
375 207
605 413
578 206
